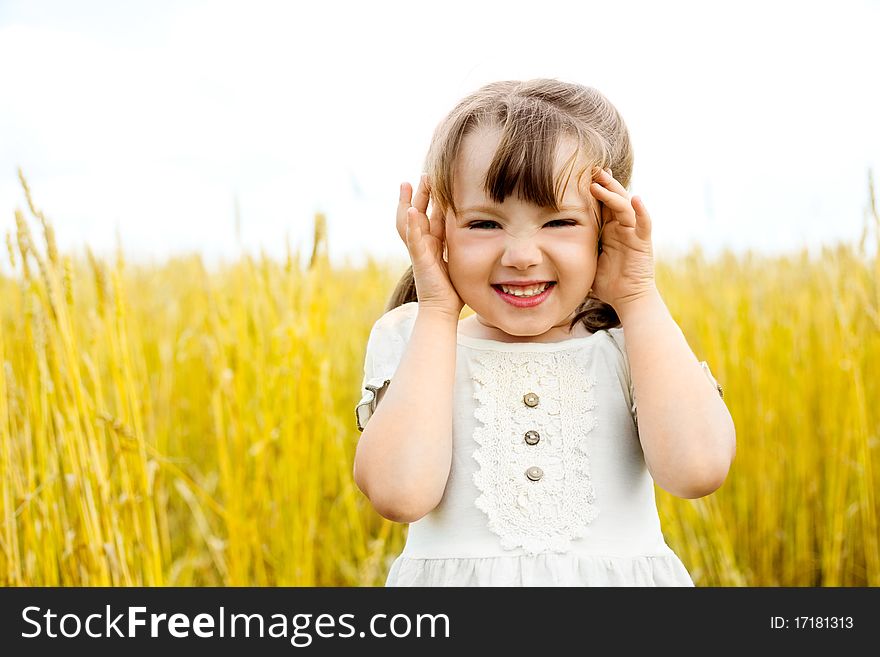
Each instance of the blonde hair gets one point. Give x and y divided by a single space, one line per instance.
533 116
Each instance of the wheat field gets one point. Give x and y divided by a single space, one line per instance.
174 426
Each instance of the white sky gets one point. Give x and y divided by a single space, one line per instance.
754 123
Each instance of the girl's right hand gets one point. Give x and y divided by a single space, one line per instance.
425 241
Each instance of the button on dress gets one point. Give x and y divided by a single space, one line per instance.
548 484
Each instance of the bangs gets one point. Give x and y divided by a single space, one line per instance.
525 161
541 145
524 164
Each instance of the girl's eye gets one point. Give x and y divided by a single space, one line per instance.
560 222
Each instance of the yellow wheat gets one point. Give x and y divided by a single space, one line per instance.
172 425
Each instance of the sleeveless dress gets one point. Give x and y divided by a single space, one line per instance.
548 484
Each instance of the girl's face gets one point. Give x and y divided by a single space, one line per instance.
517 241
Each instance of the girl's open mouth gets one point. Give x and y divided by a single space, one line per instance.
522 301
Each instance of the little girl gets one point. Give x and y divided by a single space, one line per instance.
511 440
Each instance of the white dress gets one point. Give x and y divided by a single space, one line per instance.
548 484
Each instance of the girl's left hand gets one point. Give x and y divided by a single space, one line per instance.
625 268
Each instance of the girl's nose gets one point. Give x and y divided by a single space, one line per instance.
521 253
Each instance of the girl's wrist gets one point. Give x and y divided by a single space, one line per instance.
636 304
438 314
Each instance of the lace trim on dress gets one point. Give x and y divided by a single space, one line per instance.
546 514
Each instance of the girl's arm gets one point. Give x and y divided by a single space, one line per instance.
404 454
687 433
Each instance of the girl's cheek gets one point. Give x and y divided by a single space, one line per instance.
463 246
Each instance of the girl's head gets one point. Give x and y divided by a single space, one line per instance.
524 153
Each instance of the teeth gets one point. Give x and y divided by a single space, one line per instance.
529 291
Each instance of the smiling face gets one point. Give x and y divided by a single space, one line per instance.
518 241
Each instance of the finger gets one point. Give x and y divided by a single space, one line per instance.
617 201
643 219
420 200
437 223
607 215
414 233
402 206
405 192
420 204
620 207
607 180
